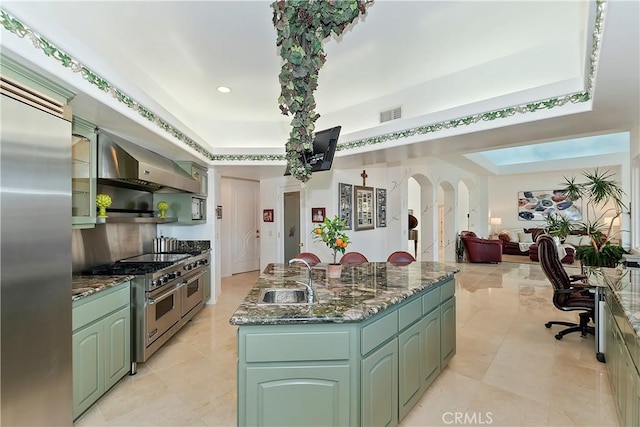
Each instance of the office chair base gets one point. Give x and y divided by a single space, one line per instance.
573 327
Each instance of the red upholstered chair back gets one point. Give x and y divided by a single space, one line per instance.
353 258
401 257
311 258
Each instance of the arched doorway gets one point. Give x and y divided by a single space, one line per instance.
421 200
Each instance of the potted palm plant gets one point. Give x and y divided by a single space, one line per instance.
603 197
332 233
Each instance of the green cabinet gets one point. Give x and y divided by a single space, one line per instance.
101 344
363 373
448 330
411 368
432 359
297 376
88 359
622 362
281 395
380 386
83 177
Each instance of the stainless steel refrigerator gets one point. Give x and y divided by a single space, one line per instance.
35 267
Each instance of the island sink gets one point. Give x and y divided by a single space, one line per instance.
282 296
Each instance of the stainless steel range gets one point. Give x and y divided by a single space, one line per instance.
166 293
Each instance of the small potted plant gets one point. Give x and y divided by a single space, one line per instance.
332 233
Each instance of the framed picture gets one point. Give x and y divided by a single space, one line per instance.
381 207
218 212
363 199
318 214
537 205
345 203
267 215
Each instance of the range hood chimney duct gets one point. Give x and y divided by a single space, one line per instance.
123 164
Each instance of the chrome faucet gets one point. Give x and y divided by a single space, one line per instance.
308 285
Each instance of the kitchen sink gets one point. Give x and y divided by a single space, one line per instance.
282 296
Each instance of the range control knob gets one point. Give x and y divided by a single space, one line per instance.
187 267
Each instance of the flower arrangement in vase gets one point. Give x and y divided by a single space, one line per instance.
332 233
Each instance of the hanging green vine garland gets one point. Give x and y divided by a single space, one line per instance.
302 26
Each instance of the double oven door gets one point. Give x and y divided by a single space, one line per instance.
192 293
162 311
167 307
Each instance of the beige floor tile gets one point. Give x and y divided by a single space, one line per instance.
504 408
509 369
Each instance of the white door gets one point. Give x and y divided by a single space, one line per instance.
245 232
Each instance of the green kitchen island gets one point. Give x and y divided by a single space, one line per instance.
362 355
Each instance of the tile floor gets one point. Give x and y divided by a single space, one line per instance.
508 370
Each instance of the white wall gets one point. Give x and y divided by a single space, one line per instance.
503 192
320 191
440 175
208 231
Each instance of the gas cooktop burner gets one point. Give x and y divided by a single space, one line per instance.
126 268
160 257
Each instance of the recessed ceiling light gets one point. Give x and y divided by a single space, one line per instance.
223 89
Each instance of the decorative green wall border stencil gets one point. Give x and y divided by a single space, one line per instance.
16 27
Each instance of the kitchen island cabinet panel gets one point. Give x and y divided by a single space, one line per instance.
380 386
298 395
297 346
432 359
411 366
394 334
101 344
448 330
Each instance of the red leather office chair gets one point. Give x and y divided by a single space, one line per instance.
353 258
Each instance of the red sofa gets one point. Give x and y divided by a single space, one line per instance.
569 258
510 247
481 250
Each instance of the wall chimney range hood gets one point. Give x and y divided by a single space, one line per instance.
124 164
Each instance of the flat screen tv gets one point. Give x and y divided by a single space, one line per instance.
324 147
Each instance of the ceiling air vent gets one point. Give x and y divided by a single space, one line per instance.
29 96
392 114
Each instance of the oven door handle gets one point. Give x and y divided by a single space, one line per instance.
191 279
163 296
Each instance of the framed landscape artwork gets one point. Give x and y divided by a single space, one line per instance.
364 208
381 207
537 205
345 203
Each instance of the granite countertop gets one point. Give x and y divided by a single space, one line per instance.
361 292
83 286
625 285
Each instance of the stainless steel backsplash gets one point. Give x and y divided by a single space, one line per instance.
107 243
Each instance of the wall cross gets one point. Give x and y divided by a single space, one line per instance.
364 177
